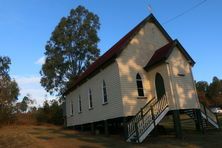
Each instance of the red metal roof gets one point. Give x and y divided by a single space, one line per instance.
114 51
160 55
164 52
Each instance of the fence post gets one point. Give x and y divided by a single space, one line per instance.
125 126
141 111
153 117
106 127
92 128
196 119
137 133
205 111
218 121
154 122
177 123
200 120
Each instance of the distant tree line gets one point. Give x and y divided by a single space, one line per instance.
51 111
210 93
10 108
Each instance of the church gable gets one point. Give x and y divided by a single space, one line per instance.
142 45
132 60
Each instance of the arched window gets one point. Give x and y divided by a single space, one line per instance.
90 99
105 99
139 84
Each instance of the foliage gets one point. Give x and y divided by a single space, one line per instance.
9 91
215 88
24 104
202 86
50 113
4 66
210 94
70 50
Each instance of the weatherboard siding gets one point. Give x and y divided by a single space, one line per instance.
120 77
112 109
183 84
132 60
162 69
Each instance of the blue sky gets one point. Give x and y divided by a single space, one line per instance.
26 25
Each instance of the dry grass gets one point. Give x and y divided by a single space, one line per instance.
48 136
16 136
25 119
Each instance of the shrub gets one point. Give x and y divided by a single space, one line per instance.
50 113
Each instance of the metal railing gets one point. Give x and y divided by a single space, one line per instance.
209 114
131 129
151 115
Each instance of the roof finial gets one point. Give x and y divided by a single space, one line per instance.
150 9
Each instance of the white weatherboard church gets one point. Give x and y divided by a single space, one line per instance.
143 77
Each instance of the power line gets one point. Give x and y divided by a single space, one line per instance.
184 12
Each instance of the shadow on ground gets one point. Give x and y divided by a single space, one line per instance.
191 138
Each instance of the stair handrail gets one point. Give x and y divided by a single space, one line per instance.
151 115
208 113
130 125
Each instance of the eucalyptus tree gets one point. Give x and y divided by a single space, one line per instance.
70 49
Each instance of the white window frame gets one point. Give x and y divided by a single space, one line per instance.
72 108
103 100
79 104
90 98
140 88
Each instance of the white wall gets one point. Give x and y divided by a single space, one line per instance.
183 86
99 112
132 60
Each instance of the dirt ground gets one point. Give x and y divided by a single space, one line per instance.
48 136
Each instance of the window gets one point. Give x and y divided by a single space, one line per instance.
71 108
90 99
80 105
105 100
139 84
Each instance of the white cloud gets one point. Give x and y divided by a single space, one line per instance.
31 85
27 80
40 61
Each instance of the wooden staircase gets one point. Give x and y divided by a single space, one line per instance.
207 116
140 126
